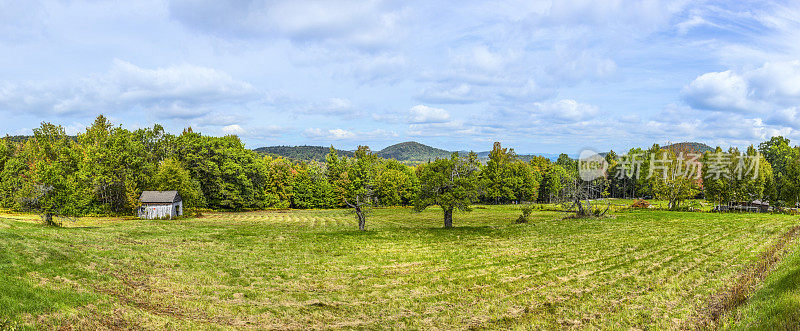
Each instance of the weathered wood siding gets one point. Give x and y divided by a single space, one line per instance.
161 211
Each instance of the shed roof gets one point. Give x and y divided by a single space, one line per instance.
160 197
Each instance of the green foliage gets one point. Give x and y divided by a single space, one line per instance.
300 153
104 169
687 148
51 183
670 183
279 179
228 173
171 176
785 163
739 177
310 189
505 178
448 183
553 178
114 165
396 184
526 213
412 152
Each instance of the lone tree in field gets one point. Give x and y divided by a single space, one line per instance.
448 183
355 180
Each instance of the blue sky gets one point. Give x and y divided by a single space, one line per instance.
540 76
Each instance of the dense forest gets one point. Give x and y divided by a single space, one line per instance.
300 153
688 147
104 169
410 153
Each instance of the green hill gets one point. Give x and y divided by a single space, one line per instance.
688 147
412 152
408 152
301 153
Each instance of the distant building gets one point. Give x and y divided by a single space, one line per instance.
755 206
160 205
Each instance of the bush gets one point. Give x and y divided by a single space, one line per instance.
526 212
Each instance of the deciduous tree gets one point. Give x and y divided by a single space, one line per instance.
448 183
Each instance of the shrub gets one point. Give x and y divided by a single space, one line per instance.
526 212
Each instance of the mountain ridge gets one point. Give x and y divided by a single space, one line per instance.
410 152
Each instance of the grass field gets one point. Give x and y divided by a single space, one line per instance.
313 269
776 304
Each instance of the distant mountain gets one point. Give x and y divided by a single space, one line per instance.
688 147
409 152
22 139
17 139
301 153
412 152
484 156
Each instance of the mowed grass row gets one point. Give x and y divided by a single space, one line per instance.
776 303
313 269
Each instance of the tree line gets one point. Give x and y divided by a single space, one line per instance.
105 168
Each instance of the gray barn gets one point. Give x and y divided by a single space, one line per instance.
160 205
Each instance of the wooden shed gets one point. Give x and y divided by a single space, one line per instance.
160 205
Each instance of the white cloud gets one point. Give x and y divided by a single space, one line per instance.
234 129
691 23
449 94
443 129
332 106
788 117
181 82
182 91
365 24
332 134
420 114
342 134
770 87
776 81
565 110
724 91
256 134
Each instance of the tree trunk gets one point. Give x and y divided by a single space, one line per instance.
47 219
448 218
581 211
362 220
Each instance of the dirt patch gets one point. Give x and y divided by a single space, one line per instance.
743 285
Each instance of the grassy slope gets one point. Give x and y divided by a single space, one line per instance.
776 305
305 269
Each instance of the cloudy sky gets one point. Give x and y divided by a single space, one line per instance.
540 76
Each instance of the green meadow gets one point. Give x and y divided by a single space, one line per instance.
304 269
